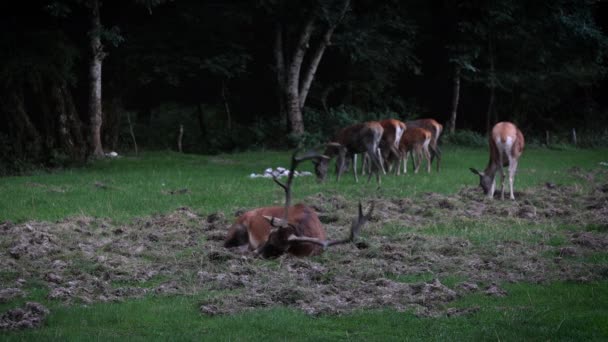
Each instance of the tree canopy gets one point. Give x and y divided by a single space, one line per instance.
240 74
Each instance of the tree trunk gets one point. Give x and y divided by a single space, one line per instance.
226 105
97 56
455 99
201 121
316 58
294 108
293 85
492 75
279 57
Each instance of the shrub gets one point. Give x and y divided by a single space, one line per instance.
465 138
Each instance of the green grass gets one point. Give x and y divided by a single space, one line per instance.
137 186
561 311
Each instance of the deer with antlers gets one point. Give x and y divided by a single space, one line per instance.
273 231
506 146
436 129
349 141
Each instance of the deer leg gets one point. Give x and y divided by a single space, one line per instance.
502 177
427 155
379 156
376 163
512 170
405 157
418 153
340 161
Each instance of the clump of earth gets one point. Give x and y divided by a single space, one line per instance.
406 259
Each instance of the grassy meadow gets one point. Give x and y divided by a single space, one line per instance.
128 187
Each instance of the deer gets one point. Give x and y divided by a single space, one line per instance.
389 143
436 129
416 140
506 146
273 231
358 138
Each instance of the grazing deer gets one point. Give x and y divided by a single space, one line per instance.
416 140
359 138
506 146
389 143
436 129
273 231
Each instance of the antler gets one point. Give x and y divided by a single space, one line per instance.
354 229
295 160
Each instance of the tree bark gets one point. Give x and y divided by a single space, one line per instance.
279 57
226 105
455 99
131 131
294 108
97 56
492 87
293 84
316 58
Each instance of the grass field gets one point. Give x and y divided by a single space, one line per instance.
129 187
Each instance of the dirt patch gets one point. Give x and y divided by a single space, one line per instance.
32 315
404 259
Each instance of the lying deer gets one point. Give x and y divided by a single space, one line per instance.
506 146
436 129
273 231
359 138
416 140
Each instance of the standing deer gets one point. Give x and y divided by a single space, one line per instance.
273 231
436 129
416 140
389 143
359 138
506 146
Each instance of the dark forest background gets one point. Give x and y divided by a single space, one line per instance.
236 75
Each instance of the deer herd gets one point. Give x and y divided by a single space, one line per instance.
385 145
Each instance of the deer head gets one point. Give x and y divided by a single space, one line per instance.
485 181
284 235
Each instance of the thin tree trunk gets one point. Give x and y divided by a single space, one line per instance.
279 57
226 105
74 124
293 105
492 87
97 56
27 133
455 99
132 132
201 121
180 137
316 58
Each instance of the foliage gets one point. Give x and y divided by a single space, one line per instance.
465 138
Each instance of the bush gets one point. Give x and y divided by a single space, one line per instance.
465 138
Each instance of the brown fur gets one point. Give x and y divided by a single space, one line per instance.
359 138
502 132
257 229
436 129
417 140
389 143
